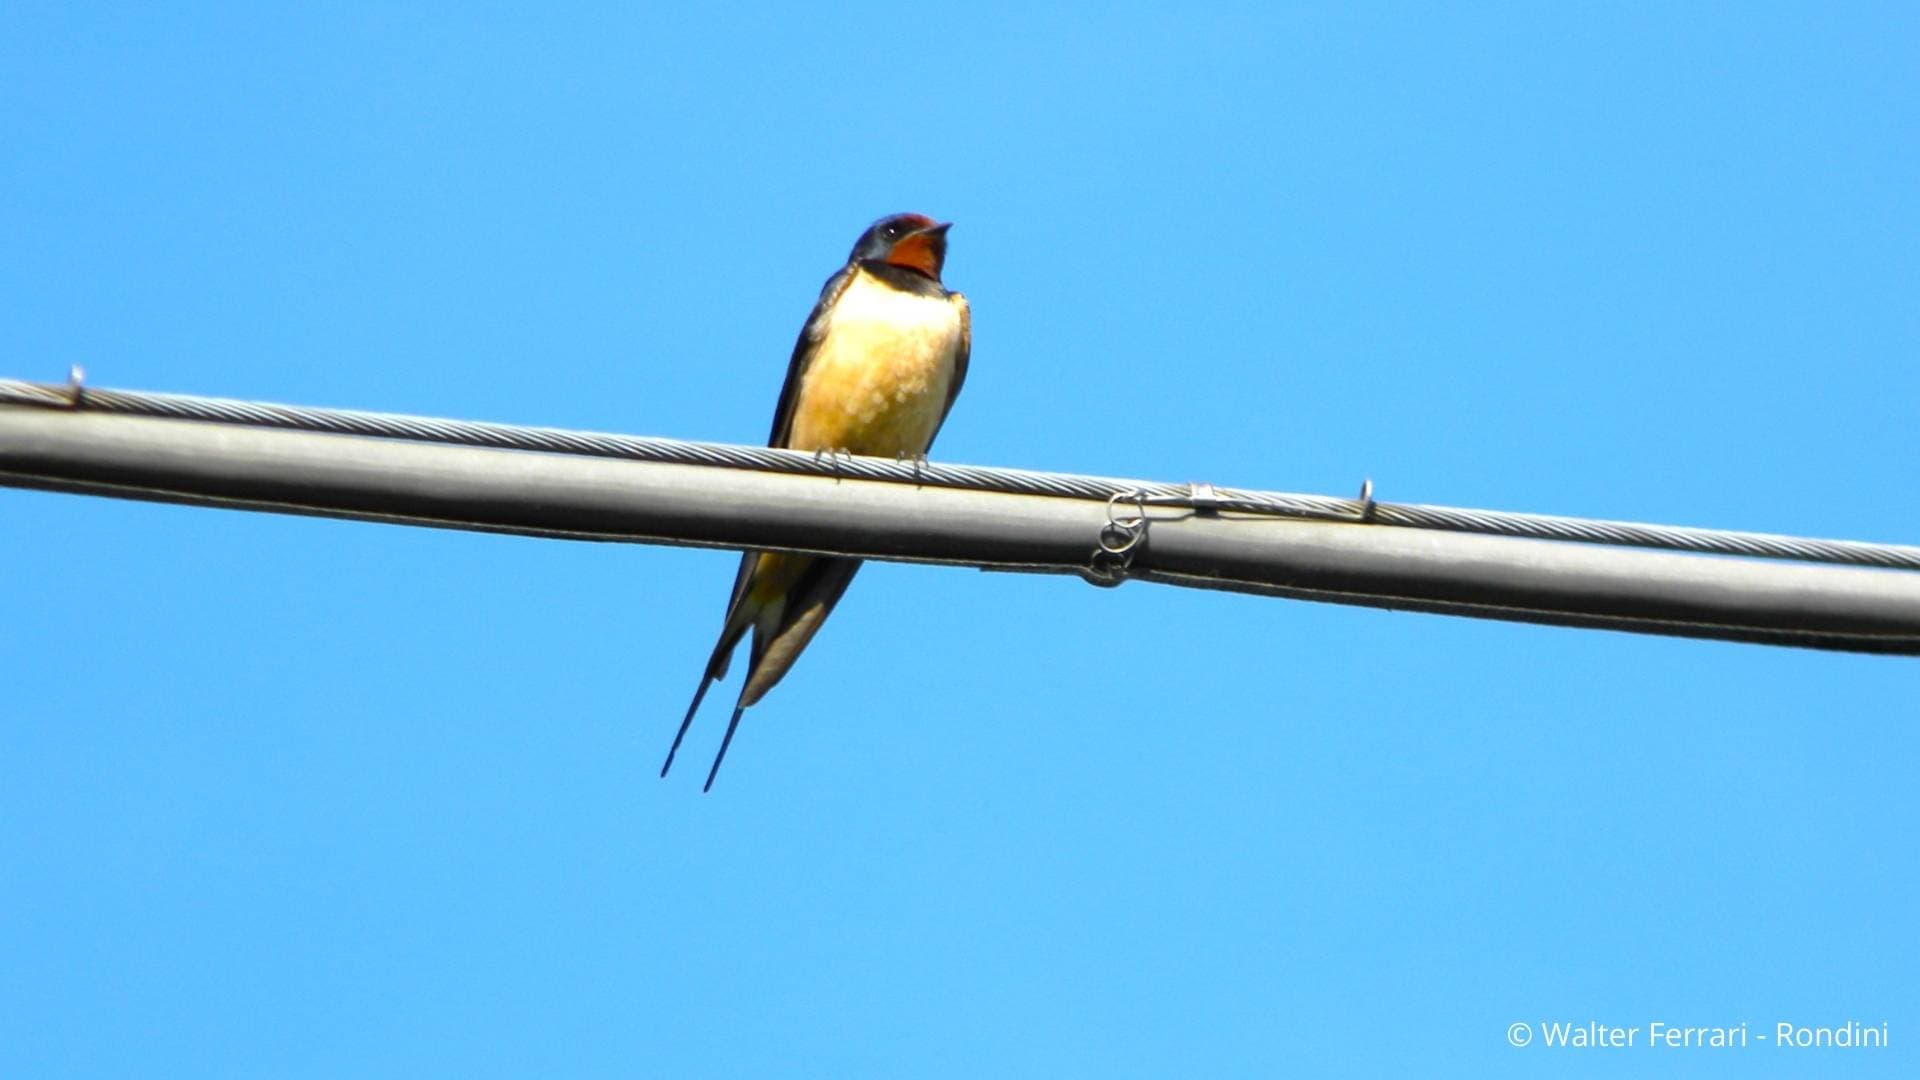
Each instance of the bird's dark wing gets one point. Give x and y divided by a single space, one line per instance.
803 349
733 627
807 605
811 332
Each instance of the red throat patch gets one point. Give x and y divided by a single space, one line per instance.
917 251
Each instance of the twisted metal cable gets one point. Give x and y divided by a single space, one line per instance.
1202 497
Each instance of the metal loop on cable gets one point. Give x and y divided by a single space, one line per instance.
1119 539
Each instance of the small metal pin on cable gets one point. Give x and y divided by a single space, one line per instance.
76 385
1365 500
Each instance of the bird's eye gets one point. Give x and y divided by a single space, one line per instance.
891 232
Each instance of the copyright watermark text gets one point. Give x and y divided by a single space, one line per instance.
1662 1035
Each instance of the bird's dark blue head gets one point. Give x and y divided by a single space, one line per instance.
914 241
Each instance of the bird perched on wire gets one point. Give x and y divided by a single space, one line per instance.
875 372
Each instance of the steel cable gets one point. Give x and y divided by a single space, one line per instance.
1201 497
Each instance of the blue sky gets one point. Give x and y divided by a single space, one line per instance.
305 798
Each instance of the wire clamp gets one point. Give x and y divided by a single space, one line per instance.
76 385
1202 497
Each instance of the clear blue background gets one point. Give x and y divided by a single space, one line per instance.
288 797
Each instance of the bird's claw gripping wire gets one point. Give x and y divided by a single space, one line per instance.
919 462
839 457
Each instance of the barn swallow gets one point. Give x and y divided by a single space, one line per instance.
875 372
